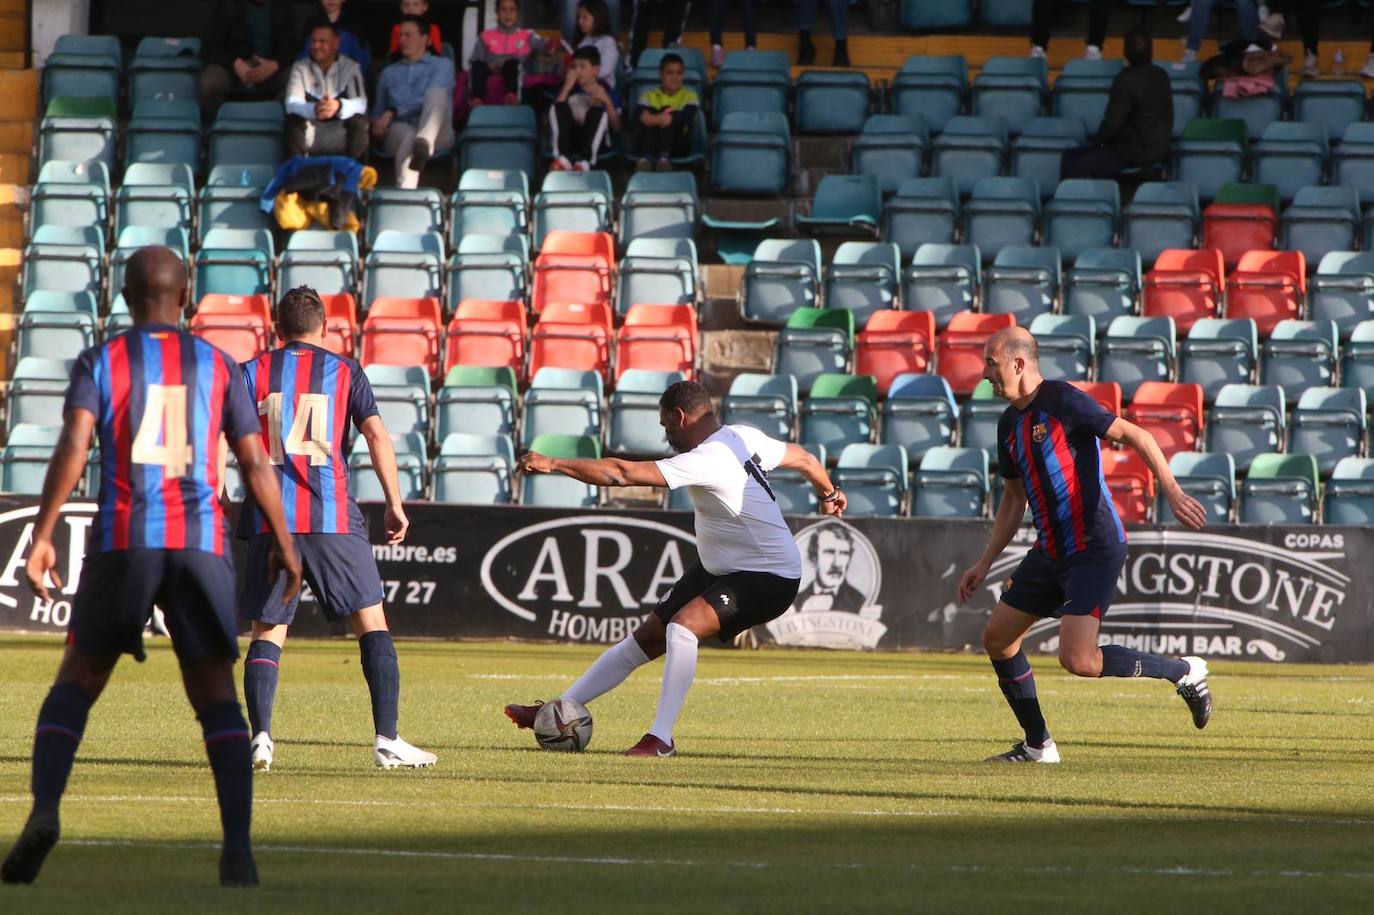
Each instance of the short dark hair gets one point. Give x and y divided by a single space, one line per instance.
1139 46
690 397
420 23
320 22
588 53
667 59
601 16
300 312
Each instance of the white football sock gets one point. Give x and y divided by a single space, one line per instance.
608 671
678 671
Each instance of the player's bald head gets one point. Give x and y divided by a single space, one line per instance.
155 285
1013 343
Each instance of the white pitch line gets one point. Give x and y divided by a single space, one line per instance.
818 678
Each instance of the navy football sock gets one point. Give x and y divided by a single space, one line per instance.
260 671
226 743
383 680
1118 661
61 722
1018 685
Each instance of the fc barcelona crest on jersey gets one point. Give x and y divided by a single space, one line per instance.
1038 432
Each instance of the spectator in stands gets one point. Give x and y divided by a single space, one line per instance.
504 50
351 44
666 115
594 30
749 12
412 116
1136 127
326 100
1042 19
583 114
415 8
838 13
248 49
1246 11
674 21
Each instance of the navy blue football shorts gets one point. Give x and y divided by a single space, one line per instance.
339 568
1082 584
118 589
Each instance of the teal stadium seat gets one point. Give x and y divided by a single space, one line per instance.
1357 359
1245 421
415 211
1163 215
476 397
71 194
1103 285
1068 345
1299 355
863 277
37 392
164 133
562 402
1137 350
923 211
632 414
659 205
942 279
1342 290
969 148
919 414
751 153
1001 213
978 419
1291 155
1037 152
1218 352
402 394
832 101
1211 152
766 402
1023 282
1082 89
890 148
1330 424
1011 88
795 494
815 342
848 205
874 480
474 469
841 409
751 81
1256 111
931 87
25 458
489 267
951 483
1321 220
783 275
657 271
1209 478
1082 215
1348 497
499 137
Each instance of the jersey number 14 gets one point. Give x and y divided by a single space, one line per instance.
309 432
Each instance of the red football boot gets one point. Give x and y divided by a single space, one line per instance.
523 715
649 745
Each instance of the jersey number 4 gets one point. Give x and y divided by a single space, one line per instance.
309 432
161 439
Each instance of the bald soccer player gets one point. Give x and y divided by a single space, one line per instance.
1048 443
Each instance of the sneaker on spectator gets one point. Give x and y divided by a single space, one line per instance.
1368 71
643 165
1037 51
1092 52
1272 26
1310 65
664 164
1189 55
717 55
560 164
582 165
1186 14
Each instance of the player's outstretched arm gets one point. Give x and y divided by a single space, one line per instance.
804 462
384 463
1010 511
261 482
1186 509
597 472
68 463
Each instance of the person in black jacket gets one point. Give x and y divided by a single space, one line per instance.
248 49
1138 123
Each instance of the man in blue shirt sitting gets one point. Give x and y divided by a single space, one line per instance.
412 117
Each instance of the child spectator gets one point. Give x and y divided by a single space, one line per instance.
594 31
504 49
351 44
583 113
415 8
666 115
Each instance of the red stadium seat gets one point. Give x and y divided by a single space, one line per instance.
1106 393
658 338
1172 413
573 335
573 267
1234 228
487 333
1185 285
259 306
959 351
1131 484
402 332
340 323
238 324
1267 286
894 342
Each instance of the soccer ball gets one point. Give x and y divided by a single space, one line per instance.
563 725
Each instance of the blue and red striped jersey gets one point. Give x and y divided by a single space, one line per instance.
161 399
1052 445
306 398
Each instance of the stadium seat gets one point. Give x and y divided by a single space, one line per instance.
1211 152
944 280
978 419
1342 290
1257 111
415 211
1247 420
1291 155
795 494
1218 352
1357 359
499 137
1068 345
572 335
71 194
750 82
1189 90
487 333
659 205
658 339
1129 481
1209 478
1037 152
24 461
1321 220
164 133
1329 424
82 302
1267 286
874 480
918 414
37 392
1137 350
929 86
657 271
814 342
1299 355
890 148
233 140
402 275
412 465
78 139
923 211
402 394
633 414
959 350
1331 104
54 334
241 325
562 401
71 74
969 148
325 261
893 343
230 207
497 206
1011 88
1103 285
849 205
751 154
52 263
863 279
1280 489
783 276
340 323
403 331
831 101
1171 412
1001 213
1082 89
1106 393
572 202
841 409
1244 217
951 483
234 262
1352 161
476 397
551 490
1348 497
1082 216
1185 286
1162 215
766 402
1022 282
163 78
573 267
160 196
474 469
488 267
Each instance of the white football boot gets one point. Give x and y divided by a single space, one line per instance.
1194 690
397 754
1023 753
262 747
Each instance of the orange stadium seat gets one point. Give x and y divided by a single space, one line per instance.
1185 285
1131 484
340 323
573 335
573 267
959 351
238 324
1106 393
487 333
402 332
658 338
1268 286
1172 413
894 343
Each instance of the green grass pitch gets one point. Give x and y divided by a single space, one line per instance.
807 782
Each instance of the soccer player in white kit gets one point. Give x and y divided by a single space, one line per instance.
748 567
